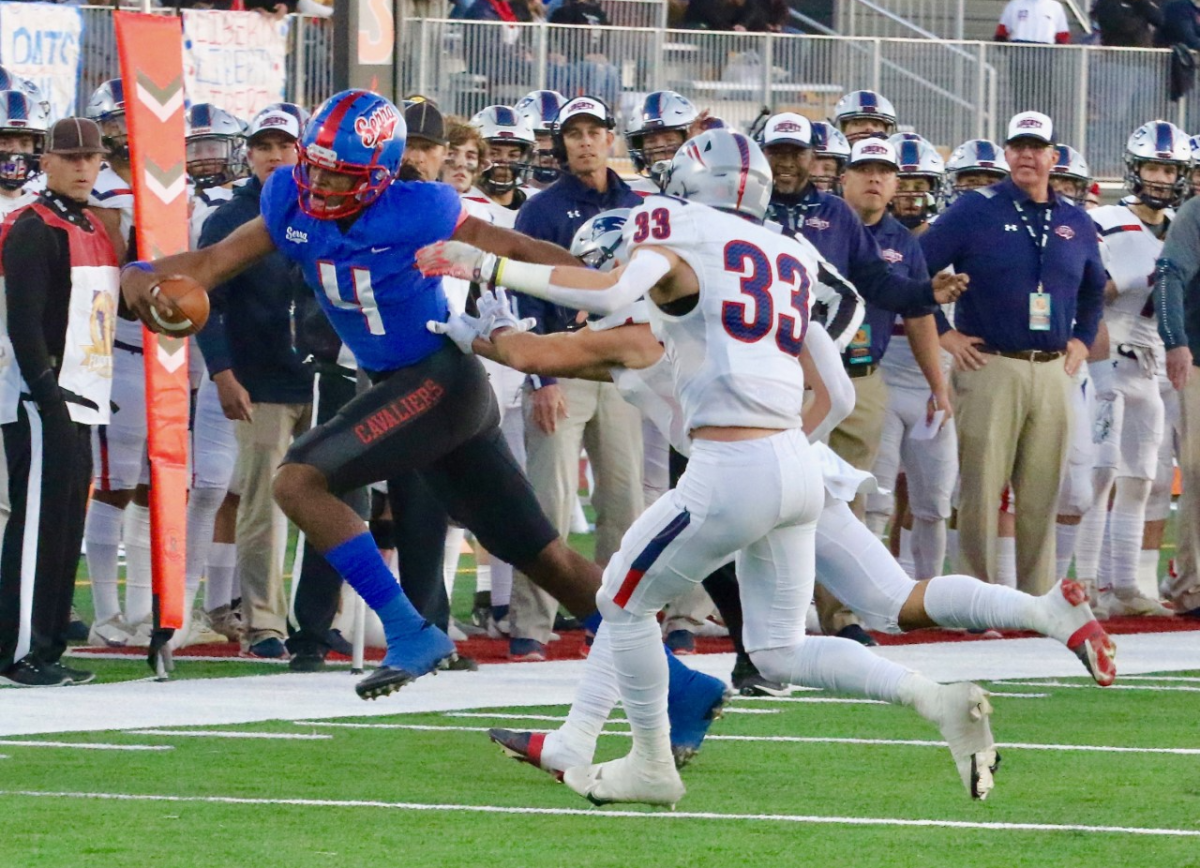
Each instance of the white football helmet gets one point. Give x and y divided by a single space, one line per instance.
541 107
828 141
722 169
663 110
1157 142
215 146
11 81
501 125
597 244
1072 174
107 106
917 158
864 104
980 157
21 116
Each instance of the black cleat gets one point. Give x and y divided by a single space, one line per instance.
307 661
856 633
75 676
31 672
748 681
457 663
382 682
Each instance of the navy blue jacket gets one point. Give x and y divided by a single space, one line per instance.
982 235
832 227
1181 24
903 255
555 215
250 328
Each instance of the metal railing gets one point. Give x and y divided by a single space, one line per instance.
928 19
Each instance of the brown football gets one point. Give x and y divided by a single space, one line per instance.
190 301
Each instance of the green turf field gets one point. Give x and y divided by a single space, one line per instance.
387 796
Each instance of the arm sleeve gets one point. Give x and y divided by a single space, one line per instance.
828 359
1089 303
845 306
29 253
646 268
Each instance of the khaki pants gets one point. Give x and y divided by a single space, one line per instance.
1185 587
262 443
611 431
1014 423
856 440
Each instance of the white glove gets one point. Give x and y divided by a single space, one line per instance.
497 307
457 259
461 328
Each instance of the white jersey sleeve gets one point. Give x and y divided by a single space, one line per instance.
1130 251
112 191
204 203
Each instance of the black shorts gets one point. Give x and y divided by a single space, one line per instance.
439 418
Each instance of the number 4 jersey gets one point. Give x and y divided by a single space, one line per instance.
734 355
365 276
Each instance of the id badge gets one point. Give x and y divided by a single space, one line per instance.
1039 311
858 352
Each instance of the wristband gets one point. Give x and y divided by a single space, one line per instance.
140 265
524 276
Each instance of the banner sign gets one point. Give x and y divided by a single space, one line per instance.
151 67
40 42
234 60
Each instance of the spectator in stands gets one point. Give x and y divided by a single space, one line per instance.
1033 21
1180 24
580 56
499 53
1127 23
715 15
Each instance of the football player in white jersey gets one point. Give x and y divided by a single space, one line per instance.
506 162
1130 414
730 301
119 508
658 128
541 107
928 457
215 150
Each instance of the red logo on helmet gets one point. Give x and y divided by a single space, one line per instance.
1066 233
377 127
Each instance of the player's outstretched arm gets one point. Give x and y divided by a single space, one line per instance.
209 266
823 370
587 354
507 242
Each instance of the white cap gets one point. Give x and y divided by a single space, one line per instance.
277 119
1030 125
787 128
588 106
873 151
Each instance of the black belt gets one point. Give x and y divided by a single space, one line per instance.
857 371
1024 355
333 369
129 348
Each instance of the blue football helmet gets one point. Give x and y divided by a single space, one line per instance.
357 134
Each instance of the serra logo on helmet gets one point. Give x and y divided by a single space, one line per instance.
379 126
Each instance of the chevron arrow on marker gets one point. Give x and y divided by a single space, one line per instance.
163 101
172 353
166 184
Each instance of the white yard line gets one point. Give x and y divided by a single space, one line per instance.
826 700
606 814
84 746
223 733
1089 686
788 739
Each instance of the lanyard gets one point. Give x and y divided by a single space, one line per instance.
1039 244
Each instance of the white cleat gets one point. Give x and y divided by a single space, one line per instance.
110 633
142 633
1073 622
1132 602
627 780
961 713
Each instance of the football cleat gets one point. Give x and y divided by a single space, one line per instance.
227 621
692 707
1075 625
961 712
383 681
110 633
1132 602
748 681
411 658
627 780
524 747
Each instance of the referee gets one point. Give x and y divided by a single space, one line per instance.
61 283
1037 289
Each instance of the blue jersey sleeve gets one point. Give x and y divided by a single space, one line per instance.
278 194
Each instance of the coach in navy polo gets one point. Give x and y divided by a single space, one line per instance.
1037 288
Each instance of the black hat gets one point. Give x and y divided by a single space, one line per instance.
424 121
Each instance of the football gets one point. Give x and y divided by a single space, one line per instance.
190 301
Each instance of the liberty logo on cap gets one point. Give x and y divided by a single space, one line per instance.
582 104
787 127
1029 124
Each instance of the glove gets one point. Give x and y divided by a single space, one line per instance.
462 329
457 259
497 307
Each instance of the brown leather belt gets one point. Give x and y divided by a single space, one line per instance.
856 371
1024 355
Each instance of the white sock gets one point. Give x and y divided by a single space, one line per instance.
1104 573
483 578
877 522
222 563
1064 539
1006 561
451 554
202 507
1126 525
235 589
1147 573
963 601
928 547
138 594
952 545
840 665
102 533
641 667
502 582
1090 538
575 743
906 553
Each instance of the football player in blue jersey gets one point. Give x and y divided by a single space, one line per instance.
354 230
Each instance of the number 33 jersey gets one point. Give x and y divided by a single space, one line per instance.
365 276
734 355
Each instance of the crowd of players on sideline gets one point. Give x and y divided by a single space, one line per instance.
268 366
